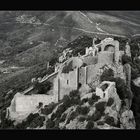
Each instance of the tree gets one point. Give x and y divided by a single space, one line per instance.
107 75
100 106
90 125
126 59
43 88
110 101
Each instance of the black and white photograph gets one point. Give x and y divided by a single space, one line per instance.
69 70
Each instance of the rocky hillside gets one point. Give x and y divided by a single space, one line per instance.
29 39
75 112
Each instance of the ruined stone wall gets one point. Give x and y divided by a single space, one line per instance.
90 60
56 88
105 57
113 94
114 43
110 92
83 75
92 72
28 103
76 62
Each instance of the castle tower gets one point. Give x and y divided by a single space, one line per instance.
117 52
127 49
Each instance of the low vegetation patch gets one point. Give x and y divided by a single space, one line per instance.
50 124
100 106
95 117
110 120
90 125
110 102
82 118
48 109
72 116
32 121
93 99
82 110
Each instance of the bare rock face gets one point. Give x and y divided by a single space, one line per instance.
127 120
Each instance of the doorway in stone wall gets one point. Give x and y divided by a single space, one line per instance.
79 85
67 82
109 48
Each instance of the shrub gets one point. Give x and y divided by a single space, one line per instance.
96 116
40 105
63 117
90 125
110 120
71 99
95 97
42 88
78 109
74 93
82 110
126 59
75 101
100 106
121 88
110 101
48 109
7 124
53 61
50 70
53 116
66 101
107 75
38 121
79 44
72 116
20 126
33 121
66 98
91 101
50 124
84 100
31 117
67 68
56 126
75 97
59 111
82 119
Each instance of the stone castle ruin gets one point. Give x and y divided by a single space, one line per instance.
86 70
80 73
